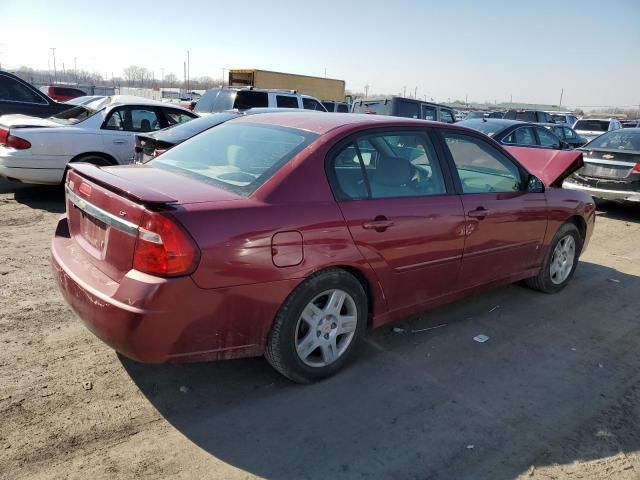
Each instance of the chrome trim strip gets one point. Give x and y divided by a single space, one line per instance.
619 163
102 215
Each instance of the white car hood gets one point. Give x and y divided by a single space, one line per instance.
17 120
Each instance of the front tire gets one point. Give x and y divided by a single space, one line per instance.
560 262
318 327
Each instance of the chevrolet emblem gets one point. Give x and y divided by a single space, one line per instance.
606 156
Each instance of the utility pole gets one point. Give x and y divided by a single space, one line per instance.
366 91
561 94
184 72
55 72
415 93
404 91
188 71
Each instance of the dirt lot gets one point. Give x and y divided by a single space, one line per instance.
554 393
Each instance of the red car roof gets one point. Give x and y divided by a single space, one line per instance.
320 123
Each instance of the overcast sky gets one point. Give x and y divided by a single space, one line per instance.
489 49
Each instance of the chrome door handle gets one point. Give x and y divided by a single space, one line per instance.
377 225
119 141
478 213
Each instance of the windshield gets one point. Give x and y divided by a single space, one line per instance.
622 140
73 115
593 125
235 156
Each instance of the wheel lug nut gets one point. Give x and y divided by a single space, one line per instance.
326 335
334 325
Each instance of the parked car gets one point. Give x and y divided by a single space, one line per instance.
512 132
84 100
244 98
531 116
338 107
18 96
289 234
405 107
630 124
459 115
591 128
35 150
563 118
495 115
611 168
152 144
568 135
61 93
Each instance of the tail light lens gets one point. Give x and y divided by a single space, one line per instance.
12 141
164 248
636 169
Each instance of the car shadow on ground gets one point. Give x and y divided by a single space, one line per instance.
432 404
41 197
619 211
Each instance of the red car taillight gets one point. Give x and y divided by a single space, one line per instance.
636 169
163 248
12 141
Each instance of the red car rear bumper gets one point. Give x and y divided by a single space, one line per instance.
154 320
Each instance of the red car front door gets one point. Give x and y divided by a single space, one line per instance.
505 224
395 200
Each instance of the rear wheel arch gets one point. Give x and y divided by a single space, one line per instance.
106 158
366 285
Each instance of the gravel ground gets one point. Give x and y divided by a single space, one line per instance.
554 393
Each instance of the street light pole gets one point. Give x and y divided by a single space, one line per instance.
55 72
188 71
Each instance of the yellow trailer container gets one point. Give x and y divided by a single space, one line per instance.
319 87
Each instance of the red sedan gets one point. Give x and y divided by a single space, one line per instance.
288 235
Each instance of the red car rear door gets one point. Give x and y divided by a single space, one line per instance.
505 223
399 204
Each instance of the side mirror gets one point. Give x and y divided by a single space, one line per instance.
535 185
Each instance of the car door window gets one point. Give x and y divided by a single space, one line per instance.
343 108
568 133
116 120
13 91
559 131
446 116
286 101
388 166
547 139
311 104
428 113
521 136
144 120
407 109
175 117
481 167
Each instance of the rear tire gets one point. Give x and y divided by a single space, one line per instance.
318 327
560 261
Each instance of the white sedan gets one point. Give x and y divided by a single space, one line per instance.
37 150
